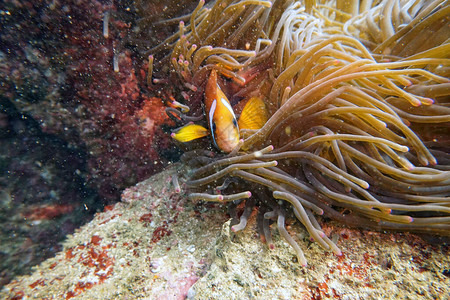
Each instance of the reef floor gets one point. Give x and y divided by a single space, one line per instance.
156 244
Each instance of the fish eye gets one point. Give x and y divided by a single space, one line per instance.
235 123
214 127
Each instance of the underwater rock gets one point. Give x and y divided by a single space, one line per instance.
58 67
159 245
74 133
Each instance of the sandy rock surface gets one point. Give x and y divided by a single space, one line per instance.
156 244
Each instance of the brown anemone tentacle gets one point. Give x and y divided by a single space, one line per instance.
357 94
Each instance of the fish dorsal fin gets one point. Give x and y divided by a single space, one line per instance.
254 114
189 132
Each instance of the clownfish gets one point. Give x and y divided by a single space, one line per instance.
222 124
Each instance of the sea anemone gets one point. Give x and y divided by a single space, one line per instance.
357 95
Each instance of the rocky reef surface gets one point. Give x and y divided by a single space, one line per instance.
157 244
74 132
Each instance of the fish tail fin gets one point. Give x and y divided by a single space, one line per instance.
189 133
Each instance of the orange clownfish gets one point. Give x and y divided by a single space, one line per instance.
222 123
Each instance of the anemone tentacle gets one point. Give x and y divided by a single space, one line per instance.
358 98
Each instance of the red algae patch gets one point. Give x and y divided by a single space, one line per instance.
47 211
156 244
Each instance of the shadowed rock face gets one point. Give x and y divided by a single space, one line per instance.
43 192
73 132
158 244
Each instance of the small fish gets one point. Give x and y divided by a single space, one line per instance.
222 123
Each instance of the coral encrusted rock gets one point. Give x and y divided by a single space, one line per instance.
156 244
